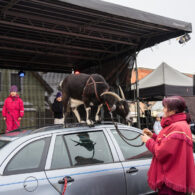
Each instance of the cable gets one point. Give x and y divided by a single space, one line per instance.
123 137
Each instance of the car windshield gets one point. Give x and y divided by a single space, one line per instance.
3 143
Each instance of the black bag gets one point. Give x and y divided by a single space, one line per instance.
192 127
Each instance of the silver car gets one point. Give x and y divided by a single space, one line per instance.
95 161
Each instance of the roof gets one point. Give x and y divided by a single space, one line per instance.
53 80
165 81
142 72
71 127
165 74
56 36
48 88
130 13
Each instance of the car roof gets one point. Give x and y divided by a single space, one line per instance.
59 128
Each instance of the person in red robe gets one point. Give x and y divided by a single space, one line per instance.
13 110
172 170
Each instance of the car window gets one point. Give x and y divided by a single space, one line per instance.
88 148
3 143
60 157
30 158
130 152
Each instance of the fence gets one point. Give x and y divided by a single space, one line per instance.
38 91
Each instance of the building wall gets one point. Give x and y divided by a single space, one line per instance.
32 94
142 72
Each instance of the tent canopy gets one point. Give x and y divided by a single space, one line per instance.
165 81
92 35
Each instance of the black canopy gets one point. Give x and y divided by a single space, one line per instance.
90 35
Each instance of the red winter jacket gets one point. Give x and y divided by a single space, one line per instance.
13 106
173 161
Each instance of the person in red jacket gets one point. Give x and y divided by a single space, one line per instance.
172 170
13 110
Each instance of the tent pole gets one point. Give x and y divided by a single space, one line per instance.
137 94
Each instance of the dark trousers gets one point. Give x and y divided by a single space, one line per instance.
168 191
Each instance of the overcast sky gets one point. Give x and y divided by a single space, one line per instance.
180 57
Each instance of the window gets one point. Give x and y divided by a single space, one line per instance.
60 157
15 80
3 143
29 159
130 152
88 148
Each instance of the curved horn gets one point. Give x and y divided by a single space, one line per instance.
122 93
60 85
111 93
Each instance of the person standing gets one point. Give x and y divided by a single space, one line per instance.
57 108
13 110
157 126
172 171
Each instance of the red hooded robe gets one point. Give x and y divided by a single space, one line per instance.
173 161
13 108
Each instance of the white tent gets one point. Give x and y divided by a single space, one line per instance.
157 106
165 81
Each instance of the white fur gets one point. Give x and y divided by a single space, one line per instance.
128 116
89 122
75 103
113 108
76 113
97 117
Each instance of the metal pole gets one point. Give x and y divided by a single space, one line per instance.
137 94
117 84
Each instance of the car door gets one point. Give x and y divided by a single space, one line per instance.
24 169
135 160
90 162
